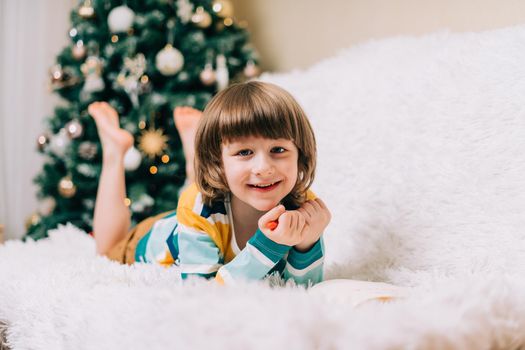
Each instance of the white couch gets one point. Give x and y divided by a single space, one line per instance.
421 160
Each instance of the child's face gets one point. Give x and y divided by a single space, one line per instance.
260 172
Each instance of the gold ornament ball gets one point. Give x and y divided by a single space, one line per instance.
56 72
46 206
42 142
207 76
78 51
66 187
32 220
74 129
251 70
201 18
86 10
223 8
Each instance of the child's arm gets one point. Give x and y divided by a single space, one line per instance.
305 268
266 247
199 254
305 261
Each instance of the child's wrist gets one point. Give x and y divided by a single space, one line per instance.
304 247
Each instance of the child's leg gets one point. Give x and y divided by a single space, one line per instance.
112 217
186 121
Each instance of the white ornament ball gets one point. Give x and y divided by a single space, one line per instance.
132 159
169 60
59 143
120 19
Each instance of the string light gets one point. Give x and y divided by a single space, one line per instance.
153 169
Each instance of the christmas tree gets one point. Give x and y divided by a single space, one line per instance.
144 57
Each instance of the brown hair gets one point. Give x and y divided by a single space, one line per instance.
251 109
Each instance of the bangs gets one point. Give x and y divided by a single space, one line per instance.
257 112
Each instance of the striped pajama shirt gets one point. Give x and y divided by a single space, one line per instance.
201 240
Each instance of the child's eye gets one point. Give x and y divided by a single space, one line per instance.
244 153
278 150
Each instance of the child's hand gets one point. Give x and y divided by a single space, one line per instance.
317 217
290 229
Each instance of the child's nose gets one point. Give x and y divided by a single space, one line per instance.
263 166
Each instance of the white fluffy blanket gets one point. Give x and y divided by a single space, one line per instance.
421 160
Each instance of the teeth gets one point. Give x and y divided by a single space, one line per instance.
263 186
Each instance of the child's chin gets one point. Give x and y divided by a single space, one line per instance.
265 206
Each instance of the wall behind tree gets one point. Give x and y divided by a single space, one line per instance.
32 33
297 33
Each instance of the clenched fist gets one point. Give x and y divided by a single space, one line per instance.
290 229
317 217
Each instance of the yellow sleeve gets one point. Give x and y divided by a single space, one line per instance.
188 214
310 195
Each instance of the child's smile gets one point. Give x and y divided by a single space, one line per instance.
259 171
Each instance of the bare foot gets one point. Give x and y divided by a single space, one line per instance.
115 141
186 121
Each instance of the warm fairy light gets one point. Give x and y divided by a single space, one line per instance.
42 140
142 124
153 169
144 79
127 202
165 159
114 38
228 22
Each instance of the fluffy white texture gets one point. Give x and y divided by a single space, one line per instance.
421 160
421 154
